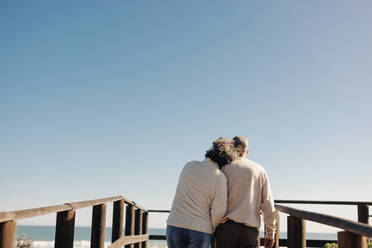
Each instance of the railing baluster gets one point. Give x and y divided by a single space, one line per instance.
117 220
8 234
296 232
65 229
363 216
97 239
145 227
129 223
138 226
350 240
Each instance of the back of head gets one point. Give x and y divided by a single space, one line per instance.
222 151
240 145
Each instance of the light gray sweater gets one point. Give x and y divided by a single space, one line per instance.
249 192
201 197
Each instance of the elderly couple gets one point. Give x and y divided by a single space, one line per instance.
221 195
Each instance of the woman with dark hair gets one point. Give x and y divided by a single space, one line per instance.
201 198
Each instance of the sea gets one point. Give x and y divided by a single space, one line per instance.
43 236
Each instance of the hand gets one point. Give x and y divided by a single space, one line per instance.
269 243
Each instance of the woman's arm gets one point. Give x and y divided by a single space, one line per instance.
219 204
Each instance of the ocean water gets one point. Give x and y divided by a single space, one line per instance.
43 236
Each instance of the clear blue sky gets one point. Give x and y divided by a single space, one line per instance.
101 98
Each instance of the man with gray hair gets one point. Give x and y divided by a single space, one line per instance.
249 192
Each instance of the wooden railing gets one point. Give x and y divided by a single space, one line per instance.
136 223
354 235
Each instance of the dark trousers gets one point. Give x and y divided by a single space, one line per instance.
236 235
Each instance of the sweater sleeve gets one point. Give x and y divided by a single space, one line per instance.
219 204
267 207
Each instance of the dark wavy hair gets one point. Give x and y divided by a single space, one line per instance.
222 152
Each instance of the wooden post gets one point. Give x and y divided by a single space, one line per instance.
8 234
363 217
129 223
138 226
296 232
350 240
97 239
363 214
117 220
145 227
65 229
277 230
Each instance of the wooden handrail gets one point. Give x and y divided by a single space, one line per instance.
158 211
65 223
348 225
357 228
33 212
126 240
354 203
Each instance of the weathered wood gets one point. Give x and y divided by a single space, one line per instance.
277 229
117 220
296 231
157 237
347 225
127 240
65 229
158 211
350 240
28 213
138 226
324 202
8 234
354 203
97 239
363 217
363 214
84 204
129 223
145 227
33 212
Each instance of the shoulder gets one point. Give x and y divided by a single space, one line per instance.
246 164
190 167
192 162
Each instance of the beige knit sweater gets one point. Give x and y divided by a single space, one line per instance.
249 192
201 196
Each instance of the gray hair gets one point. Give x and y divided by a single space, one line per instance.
241 145
222 151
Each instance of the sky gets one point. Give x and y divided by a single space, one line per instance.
106 98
